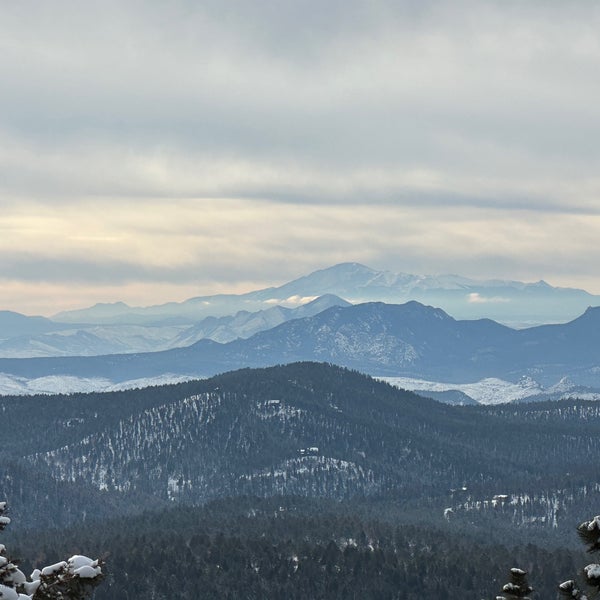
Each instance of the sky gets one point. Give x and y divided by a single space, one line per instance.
153 151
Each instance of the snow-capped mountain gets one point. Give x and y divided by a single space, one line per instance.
511 302
245 324
118 328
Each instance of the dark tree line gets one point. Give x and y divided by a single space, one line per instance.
292 548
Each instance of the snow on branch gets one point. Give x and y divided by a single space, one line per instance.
73 579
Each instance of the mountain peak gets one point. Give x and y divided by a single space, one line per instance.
350 266
509 302
346 269
328 300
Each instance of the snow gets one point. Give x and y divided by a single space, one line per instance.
594 523
486 391
59 574
55 568
87 572
31 587
7 593
77 561
13 385
564 385
592 571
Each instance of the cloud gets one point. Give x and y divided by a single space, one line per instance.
330 105
476 298
203 146
291 301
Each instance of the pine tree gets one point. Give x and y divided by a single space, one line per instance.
589 532
73 579
517 587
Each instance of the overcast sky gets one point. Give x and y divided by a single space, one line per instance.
154 151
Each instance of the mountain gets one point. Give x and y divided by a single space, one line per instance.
299 481
306 429
118 328
13 324
90 340
408 340
48 338
244 324
511 302
490 390
454 397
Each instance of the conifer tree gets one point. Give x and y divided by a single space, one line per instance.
73 579
517 587
589 532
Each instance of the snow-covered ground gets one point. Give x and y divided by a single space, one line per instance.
64 384
487 391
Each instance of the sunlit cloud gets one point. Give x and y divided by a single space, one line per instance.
291 301
476 298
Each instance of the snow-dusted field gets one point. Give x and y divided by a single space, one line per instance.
57 384
486 391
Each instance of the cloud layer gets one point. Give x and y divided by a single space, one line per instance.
151 150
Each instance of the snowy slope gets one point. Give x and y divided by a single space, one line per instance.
490 390
11 385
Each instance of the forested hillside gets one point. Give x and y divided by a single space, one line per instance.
289 547
307 429
120 469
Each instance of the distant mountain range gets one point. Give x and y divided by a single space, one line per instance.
511 302
118 328
408 340
25 337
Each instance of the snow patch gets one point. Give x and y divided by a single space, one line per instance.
487 391
13 385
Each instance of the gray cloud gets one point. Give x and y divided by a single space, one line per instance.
364 110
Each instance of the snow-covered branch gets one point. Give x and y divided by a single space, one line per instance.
73 579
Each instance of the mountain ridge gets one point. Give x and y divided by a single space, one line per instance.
62 339
306 428
410 340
